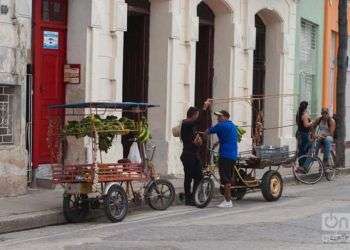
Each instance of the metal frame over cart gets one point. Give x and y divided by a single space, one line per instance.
110 185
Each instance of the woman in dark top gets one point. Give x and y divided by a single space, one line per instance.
190 154
305 125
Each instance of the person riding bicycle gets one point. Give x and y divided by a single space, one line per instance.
326 127
226 131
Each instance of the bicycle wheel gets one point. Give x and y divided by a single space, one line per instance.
330 167
116 203
308 169
75 207
204 192
160 195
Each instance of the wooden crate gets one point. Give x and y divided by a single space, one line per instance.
116 172
79 173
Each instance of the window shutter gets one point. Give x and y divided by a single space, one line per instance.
308 57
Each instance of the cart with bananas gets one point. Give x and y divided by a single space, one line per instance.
110 186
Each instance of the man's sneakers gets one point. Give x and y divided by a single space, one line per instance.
225 204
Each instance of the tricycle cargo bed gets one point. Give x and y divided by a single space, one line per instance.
250 159
85 173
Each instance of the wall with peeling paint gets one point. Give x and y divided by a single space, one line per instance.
15 54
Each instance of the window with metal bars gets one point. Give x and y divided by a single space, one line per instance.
6 114
308 60
54 10
308 45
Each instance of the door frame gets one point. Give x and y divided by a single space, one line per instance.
259 67
206 24
37 41
206 18
136 9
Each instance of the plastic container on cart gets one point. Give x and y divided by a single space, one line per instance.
271 152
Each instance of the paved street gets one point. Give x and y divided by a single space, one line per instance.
294 222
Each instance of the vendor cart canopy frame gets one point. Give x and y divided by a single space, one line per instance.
105 105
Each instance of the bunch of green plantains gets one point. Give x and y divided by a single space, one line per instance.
107 129
240 132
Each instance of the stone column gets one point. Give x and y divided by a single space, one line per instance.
164 72
95 41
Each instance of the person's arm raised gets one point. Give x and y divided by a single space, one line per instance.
307 121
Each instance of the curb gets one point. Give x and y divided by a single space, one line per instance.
343 171
55 217
15 223
31 220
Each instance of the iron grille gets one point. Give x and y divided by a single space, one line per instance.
308 46
6 114
308 60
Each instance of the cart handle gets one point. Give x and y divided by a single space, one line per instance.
153 148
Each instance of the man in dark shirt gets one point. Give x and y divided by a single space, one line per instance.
190 154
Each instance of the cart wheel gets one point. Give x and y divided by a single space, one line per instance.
271 185
160 195
116 203
204 192
75 207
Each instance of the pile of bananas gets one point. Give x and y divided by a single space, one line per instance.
107 129
144 133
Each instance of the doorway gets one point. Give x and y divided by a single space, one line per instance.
204 67
259 71
136 57
49 46
204 61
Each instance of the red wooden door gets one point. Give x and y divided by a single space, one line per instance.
49 45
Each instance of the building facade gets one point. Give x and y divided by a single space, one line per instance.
175 53
330 51
309 54
15 55
178 53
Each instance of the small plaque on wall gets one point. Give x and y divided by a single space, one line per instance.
50 40
72 73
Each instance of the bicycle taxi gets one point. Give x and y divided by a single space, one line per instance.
110 186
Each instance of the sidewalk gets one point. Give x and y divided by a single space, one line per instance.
42 207
39 208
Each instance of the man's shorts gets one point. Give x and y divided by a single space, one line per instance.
226 170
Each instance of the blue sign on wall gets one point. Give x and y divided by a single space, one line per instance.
50 39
